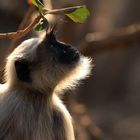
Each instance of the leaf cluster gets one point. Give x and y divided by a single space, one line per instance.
78 15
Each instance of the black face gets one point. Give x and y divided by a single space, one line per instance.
64 53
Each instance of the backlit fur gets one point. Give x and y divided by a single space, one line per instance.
33 110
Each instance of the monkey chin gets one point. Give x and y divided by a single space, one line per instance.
81 71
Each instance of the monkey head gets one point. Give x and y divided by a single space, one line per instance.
46 64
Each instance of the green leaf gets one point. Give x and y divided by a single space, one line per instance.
40 8
37 3
42 25
80 15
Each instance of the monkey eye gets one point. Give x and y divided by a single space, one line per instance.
53 48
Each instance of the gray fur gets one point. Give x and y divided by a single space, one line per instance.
33 110
30 116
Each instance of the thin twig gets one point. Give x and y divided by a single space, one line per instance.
20 33
63 10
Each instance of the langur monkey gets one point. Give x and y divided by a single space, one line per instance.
36 73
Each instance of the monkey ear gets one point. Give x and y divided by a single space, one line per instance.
22 70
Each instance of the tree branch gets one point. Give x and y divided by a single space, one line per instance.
20 33
95 42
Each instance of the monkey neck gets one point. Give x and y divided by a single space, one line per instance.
37 99
32 100
46 92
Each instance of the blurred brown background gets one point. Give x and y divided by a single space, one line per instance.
111 96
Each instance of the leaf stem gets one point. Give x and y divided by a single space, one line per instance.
63 10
